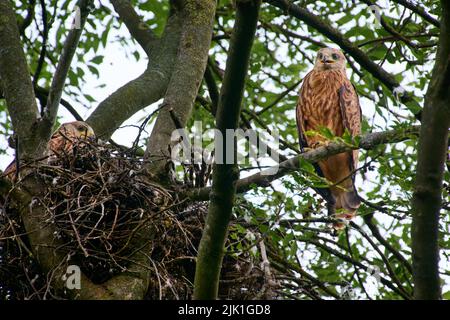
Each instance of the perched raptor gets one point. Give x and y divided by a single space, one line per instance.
61 142
328 99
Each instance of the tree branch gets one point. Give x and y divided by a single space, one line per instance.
432 151
146 89
137 28
28 18
265 177
211 248
62 69
17 86
213 90
185 80
369 220
420 11
42 94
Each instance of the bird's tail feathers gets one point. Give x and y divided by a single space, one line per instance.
349 201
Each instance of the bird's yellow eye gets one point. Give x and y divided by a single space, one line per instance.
335 56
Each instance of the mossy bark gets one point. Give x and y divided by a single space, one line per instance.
146 89
189 67
432 151
17 86
211 249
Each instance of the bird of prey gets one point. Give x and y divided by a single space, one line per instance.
327 99
61 142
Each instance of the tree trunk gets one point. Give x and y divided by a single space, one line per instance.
433 142
211 249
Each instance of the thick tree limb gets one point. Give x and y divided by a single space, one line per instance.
432 151
265 177
17 86
62 69
211 248
212 89
419 10
188 71
145 89
138 29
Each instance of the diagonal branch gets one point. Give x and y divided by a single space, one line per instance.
185 80
432 152
137 28
265 177
213 89
43 52
369 220
146 89
62 69
28 18
211 248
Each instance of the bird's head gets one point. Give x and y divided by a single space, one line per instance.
76 129
330 59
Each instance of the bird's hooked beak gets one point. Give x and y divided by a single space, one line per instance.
327 59
90 135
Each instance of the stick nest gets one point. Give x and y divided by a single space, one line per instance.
99 198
